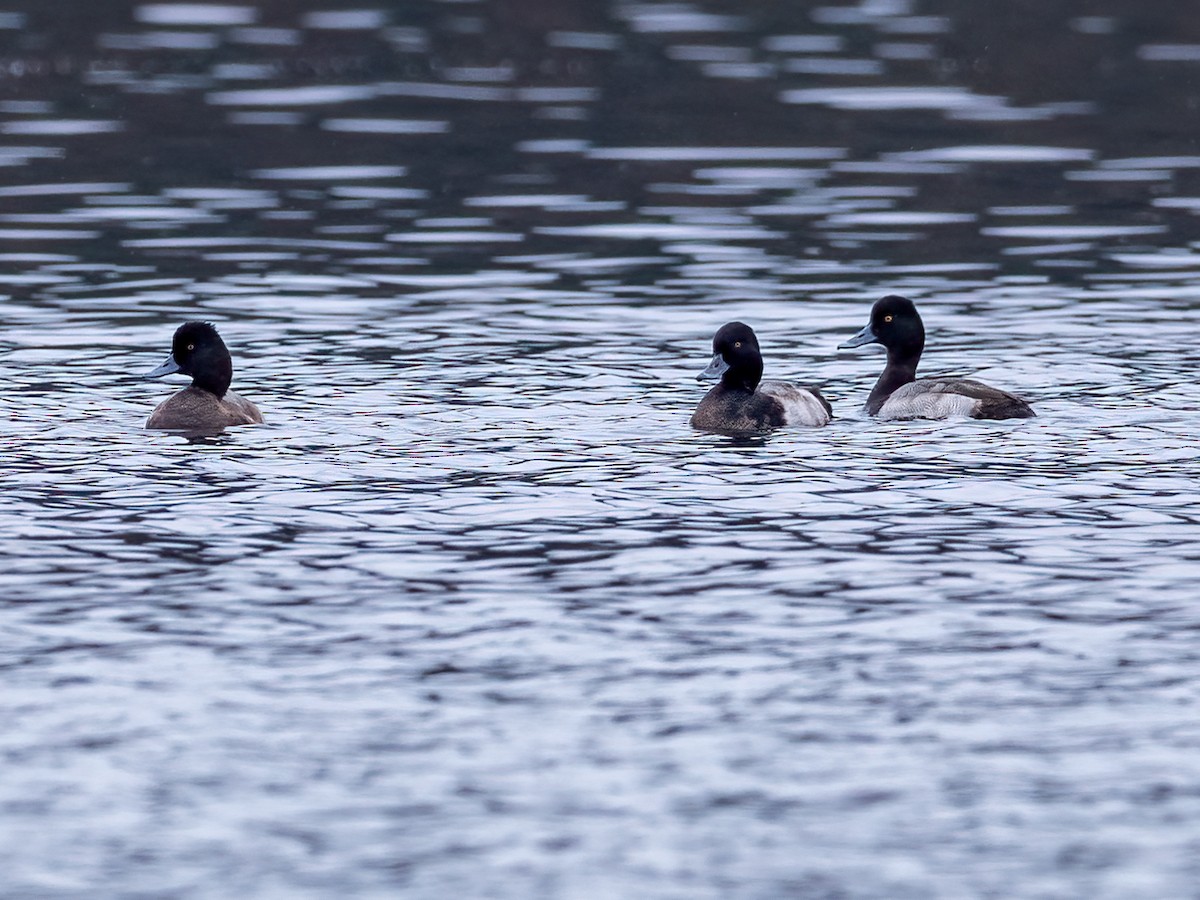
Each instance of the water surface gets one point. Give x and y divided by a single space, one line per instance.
476 613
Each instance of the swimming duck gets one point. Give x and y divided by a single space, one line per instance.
899 394
743 403
206 404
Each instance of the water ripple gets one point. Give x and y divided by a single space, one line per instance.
468 263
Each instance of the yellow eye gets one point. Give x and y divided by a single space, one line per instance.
737 344
885 318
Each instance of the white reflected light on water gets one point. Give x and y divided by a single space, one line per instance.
475 612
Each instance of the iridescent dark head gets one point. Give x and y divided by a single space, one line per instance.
198 350
736 358
894 323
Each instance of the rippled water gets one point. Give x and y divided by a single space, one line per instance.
476 613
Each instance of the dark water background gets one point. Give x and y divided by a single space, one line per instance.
476 614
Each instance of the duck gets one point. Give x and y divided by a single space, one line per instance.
742 402
899 394
206 404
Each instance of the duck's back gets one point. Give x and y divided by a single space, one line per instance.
772 405
246 408
946 398
802 405
196 409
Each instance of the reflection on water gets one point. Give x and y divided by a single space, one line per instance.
476 612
